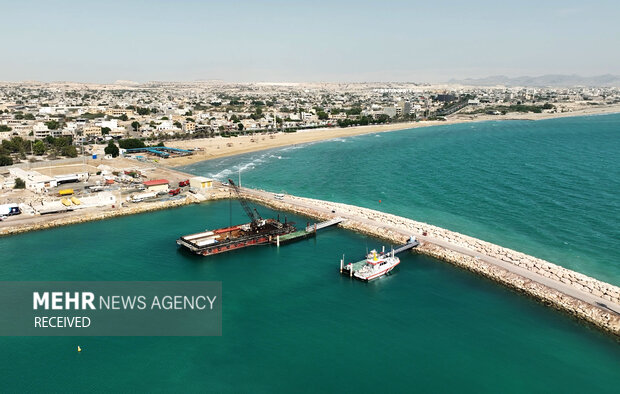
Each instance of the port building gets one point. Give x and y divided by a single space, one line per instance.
157 185
200 183
34 181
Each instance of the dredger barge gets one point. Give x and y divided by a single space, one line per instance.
257 232
235 237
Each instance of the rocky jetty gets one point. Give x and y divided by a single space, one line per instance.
455 247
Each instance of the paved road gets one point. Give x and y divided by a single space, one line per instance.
552 283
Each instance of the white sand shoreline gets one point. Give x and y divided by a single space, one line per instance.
218 147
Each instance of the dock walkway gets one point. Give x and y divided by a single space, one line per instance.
322 225
309 231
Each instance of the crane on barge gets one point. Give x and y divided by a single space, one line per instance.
256 221
258 231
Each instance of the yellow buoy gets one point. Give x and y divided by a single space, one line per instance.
79 349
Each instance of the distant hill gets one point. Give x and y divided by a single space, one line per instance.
126 83
551 80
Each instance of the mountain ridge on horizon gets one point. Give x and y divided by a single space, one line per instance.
547 80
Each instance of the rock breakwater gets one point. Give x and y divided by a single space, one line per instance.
580 295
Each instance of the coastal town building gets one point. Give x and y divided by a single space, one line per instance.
158 111
91 131
35 181
157 185
200 183
119 112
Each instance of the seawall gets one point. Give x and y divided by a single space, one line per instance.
91 215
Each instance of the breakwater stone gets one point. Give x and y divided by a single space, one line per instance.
445 245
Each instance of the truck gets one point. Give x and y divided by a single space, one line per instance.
9 210
174 192
184 183
143 196
65 192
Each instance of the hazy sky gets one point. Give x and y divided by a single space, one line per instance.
317 40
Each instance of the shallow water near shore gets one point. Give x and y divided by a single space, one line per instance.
546 188
292 323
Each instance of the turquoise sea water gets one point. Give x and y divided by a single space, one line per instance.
293 324
547 188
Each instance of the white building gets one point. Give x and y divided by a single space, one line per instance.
40 130
200 183
111 124
165 125
35 181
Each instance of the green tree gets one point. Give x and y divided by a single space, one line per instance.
354 111
258 113
123 117
111 149
240 126
8 146
105 130
38 148
52 124
29 116
88 115
5 160
136 125
62 142
131 143
19 184
4 127
322 115
69 151
178 124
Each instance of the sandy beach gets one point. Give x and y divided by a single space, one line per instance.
213 148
